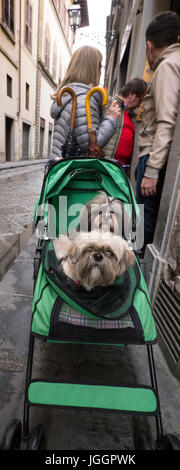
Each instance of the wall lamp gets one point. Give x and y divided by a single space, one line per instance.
75 16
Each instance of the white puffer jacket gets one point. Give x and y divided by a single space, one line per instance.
105 128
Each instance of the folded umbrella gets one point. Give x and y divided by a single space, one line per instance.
93 148
70 147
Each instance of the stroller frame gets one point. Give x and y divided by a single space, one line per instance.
153 379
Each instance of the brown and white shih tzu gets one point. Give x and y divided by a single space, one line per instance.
93 259
103 213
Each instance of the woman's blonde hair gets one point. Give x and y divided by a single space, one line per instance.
84 67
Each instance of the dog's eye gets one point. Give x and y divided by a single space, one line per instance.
110 253
87 250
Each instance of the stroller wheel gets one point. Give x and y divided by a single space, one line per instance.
36 439
171 442
143 441
12 436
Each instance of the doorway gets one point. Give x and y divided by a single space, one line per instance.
41 149
9 139
42 131
25 143
49 143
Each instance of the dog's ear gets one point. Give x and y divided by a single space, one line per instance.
61 246
129 258
126 261
73 252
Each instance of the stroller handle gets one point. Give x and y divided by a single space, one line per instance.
68 89
80 171
87 102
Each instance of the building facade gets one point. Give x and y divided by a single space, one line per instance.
54 46
35 48
126 59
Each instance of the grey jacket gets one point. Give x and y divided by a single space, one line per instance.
104 128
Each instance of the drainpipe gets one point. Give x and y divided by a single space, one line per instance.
19 110
19 107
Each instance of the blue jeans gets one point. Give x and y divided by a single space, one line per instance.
151 203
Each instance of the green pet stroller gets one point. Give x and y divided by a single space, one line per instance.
125 305
126 302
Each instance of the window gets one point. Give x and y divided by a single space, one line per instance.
27 96
8 14
60 71
47 47
9 86
28 25
54 70
64 15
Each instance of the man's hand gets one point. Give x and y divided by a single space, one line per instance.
148 186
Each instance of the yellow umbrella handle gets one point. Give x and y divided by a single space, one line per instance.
68 89
87 102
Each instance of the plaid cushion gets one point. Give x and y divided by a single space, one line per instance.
72 316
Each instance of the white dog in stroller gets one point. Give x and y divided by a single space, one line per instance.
93 259
103 213
99 256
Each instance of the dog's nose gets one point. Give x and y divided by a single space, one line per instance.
98 257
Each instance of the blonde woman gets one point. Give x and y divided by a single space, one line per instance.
83 72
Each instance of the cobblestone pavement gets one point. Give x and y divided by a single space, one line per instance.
19 189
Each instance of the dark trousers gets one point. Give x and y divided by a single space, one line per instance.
151 203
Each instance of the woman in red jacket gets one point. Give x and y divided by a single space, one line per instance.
132 95
125 146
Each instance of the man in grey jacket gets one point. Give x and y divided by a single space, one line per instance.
160 111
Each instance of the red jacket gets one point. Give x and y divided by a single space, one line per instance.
125 146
